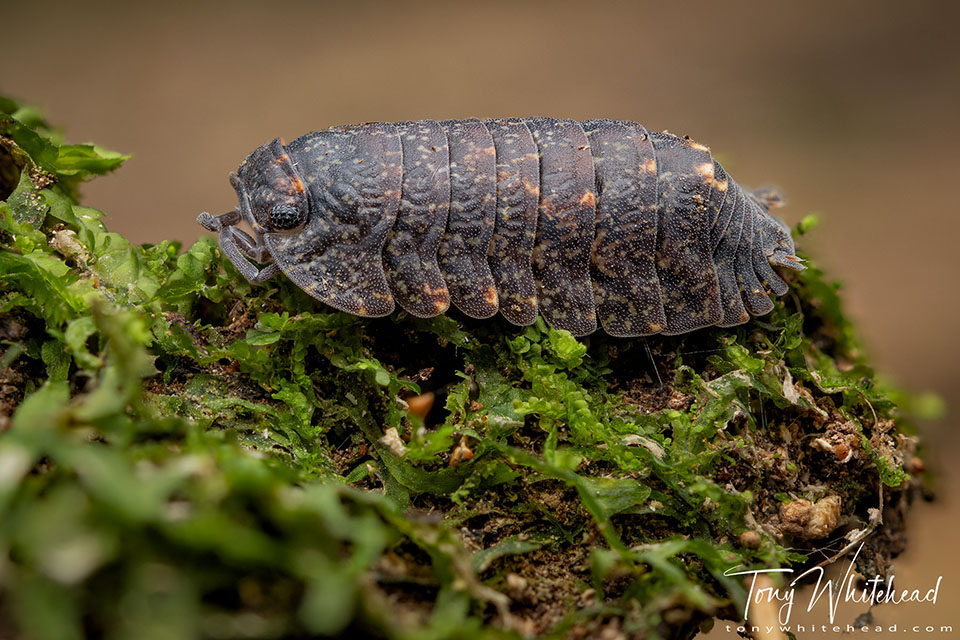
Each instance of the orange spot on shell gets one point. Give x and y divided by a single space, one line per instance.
706 170
490 295
548 208
298 185
588 199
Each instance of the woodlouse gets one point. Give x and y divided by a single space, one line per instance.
577 221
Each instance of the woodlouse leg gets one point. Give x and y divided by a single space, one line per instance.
240 247
255 250
266 273
250 247
240 259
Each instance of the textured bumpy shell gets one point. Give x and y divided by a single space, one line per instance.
583 222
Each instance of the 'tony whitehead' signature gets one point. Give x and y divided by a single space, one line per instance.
876 590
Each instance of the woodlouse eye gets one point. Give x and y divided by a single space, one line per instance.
286 216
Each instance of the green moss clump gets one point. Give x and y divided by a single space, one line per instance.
184 455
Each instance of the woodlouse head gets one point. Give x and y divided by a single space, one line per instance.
273 197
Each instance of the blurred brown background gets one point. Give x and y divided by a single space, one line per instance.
850 108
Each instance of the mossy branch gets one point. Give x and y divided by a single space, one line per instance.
183 455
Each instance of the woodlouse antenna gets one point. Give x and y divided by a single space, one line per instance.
653 363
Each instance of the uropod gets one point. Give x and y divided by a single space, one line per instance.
589 223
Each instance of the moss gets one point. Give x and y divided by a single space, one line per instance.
184 455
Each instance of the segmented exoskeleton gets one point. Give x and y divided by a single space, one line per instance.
576 221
